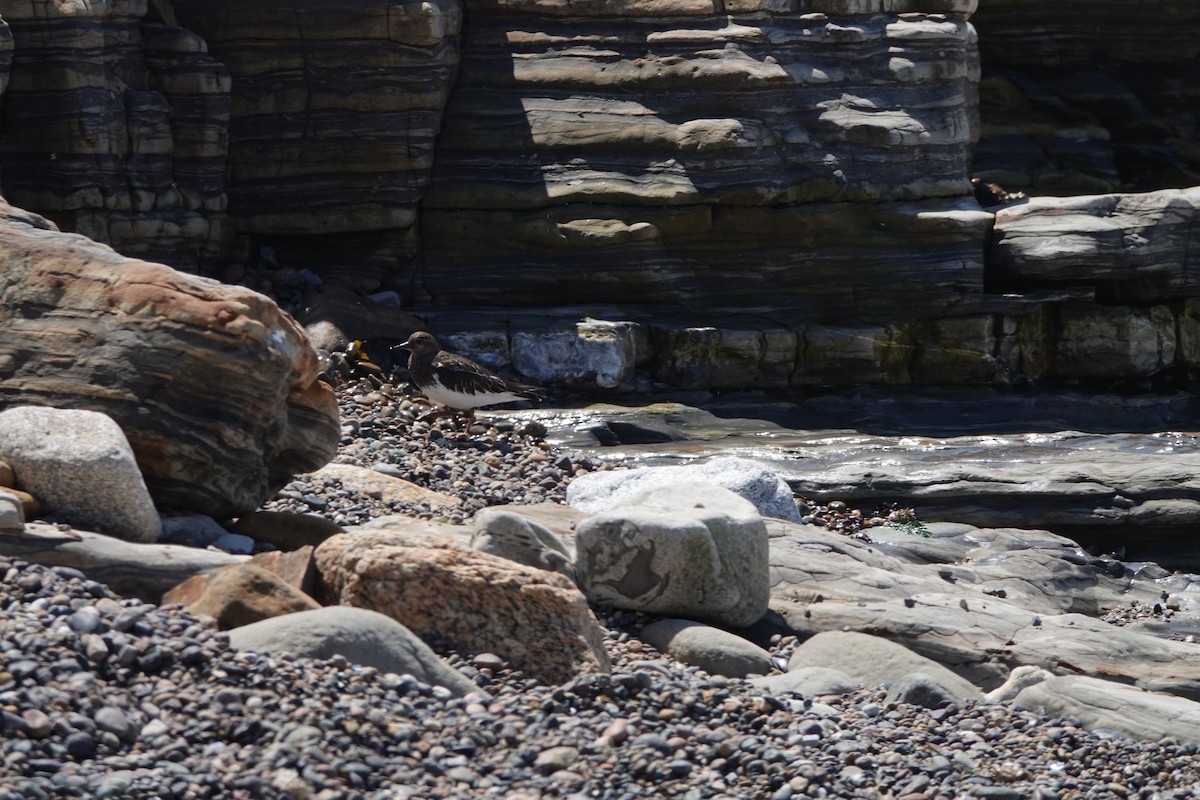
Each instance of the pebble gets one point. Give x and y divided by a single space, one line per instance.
225 723
108 697
497 461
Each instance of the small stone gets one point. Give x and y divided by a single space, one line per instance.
85 620
117 722
80 745
95 649
37 724
488 661
555 758
152 730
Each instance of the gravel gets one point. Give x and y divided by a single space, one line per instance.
107 697
496 461
169 710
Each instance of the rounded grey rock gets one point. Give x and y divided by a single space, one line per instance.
360 635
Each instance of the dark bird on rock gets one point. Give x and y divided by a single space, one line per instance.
456 382
989 194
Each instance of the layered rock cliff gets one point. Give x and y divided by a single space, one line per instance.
114 124
742 156
753 193
1089 96
336 108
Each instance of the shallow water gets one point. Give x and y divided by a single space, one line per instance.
937 431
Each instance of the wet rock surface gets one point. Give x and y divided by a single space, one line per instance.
990 460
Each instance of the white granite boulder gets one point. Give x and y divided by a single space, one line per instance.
80 465
770 494
12 518
360 635
688 549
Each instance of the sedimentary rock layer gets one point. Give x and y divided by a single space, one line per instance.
1089 96
114 124
336 106
1129 246
681 152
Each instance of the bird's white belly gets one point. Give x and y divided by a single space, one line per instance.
465 400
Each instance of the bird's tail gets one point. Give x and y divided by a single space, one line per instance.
528 392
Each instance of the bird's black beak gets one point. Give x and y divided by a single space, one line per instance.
401 346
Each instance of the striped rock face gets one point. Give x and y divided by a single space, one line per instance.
115 125
335 110
741 155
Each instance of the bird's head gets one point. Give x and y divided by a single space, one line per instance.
420 342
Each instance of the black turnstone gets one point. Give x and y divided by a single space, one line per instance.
456 382
989 194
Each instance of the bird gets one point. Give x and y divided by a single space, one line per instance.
989 194
457 382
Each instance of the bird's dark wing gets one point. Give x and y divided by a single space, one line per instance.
460 374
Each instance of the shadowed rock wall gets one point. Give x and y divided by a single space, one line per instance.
336 107
114 125
767 194
738 155
1089 96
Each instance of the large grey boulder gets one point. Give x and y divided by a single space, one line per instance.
808 681
506 533
770 494
687 549
360 635
80 466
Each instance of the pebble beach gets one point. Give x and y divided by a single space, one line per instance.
492 462
107 697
